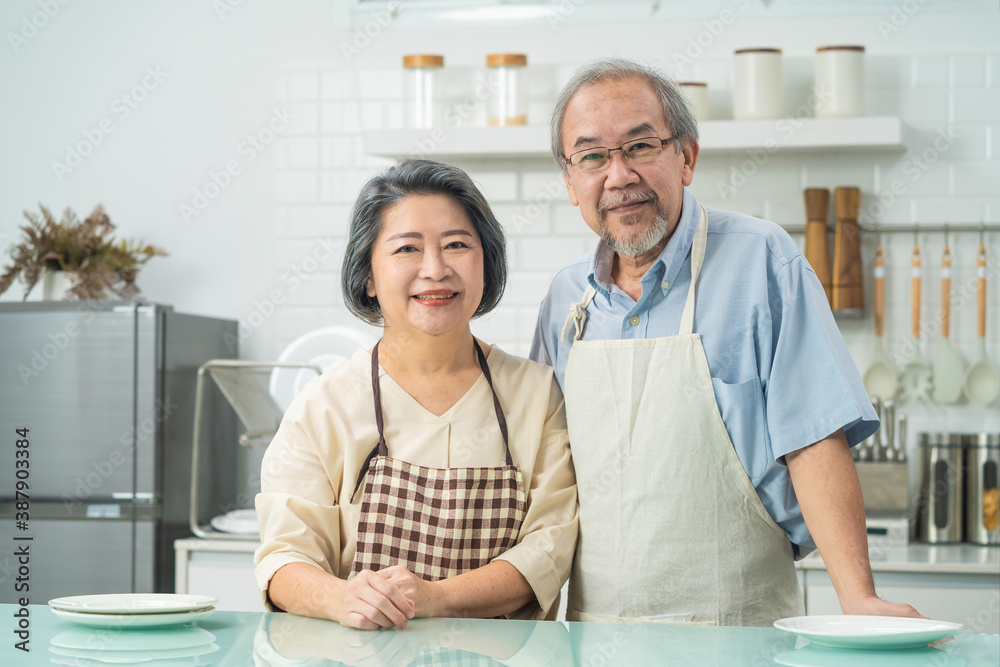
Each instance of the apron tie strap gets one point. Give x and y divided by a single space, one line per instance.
578 315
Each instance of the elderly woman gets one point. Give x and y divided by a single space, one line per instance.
430 475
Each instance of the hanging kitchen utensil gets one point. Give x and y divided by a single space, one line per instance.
848 293
880 378
900 440
867 450
817 243
949 369
916 383
886 452
982 382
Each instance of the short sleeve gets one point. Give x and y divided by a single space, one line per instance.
813 387
539 352
547 541
296 509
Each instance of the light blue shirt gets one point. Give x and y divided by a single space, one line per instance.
782 374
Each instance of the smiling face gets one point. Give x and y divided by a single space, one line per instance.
427 267
634 207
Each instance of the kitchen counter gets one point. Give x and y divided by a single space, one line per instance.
244 638
925 558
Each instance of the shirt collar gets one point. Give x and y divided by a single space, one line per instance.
668 264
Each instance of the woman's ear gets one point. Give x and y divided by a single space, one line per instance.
370 287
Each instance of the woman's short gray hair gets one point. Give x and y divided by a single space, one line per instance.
675 106
391 186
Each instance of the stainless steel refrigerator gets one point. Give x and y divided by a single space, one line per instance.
105 391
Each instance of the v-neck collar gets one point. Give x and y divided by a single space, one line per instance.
366 357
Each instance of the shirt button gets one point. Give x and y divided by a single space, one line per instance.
666 285
634 321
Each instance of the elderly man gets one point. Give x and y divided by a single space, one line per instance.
711 400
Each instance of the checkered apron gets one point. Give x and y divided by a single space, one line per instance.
437 522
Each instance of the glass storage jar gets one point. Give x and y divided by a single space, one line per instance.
422 90
508 103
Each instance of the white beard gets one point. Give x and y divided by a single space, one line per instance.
640 245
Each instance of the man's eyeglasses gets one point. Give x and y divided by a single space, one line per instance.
637 151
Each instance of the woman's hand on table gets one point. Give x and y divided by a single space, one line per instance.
372 601
423 594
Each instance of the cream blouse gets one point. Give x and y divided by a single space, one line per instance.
308 474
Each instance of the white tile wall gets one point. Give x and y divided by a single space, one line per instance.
323 166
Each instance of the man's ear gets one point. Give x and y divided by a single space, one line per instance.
573 199
690 153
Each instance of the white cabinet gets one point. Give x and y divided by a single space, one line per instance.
220 568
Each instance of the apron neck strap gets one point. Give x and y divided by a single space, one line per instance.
697 259
381 449
578 315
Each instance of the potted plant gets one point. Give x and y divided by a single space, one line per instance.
84 251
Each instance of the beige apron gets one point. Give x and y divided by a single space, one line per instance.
437 522
671 529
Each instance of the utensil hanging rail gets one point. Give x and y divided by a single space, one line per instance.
944 228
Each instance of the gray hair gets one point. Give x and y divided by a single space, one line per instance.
390 187
675 106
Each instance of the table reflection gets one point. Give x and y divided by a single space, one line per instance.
811 655
80 646
287 639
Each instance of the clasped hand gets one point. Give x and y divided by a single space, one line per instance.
385 599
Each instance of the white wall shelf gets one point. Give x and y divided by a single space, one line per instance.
717 136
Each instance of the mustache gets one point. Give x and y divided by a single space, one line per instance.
626 197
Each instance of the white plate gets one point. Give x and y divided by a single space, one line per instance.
324 347
133 603
241 522
868 631
129 621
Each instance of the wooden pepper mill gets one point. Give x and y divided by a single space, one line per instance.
817 244
848 283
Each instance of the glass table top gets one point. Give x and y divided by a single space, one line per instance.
272 639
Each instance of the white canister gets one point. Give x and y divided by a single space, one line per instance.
697 96
839 88
422 83
508 103
757 85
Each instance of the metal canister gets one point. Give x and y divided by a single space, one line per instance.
982 495
941 499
